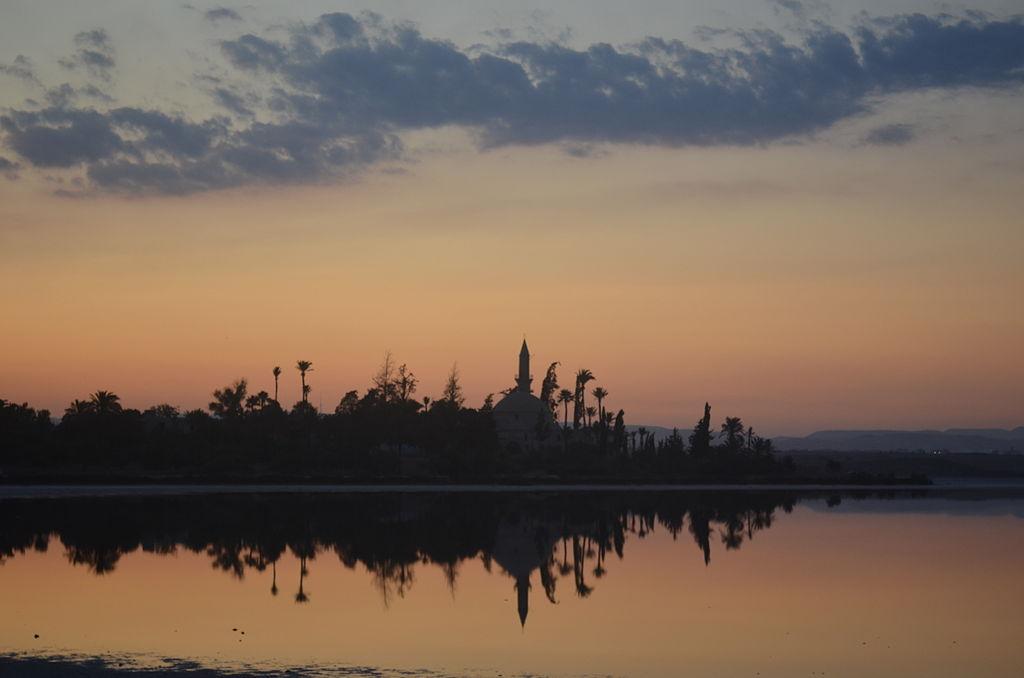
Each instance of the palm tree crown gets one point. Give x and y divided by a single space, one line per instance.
105 402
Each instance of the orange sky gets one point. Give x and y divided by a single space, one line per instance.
825 294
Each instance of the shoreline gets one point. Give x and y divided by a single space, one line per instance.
41 491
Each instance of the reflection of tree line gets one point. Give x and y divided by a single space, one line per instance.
559 535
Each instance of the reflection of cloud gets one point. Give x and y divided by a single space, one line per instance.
339 91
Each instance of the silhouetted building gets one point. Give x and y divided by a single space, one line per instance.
520 416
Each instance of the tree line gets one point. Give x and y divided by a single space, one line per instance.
384 432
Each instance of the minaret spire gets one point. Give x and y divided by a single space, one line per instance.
524 379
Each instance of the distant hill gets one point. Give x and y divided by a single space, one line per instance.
950 440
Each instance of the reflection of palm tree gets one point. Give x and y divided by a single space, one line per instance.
565 568
277 375
578 561
302 596
304 366
273 581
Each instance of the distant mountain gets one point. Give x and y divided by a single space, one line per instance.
950 440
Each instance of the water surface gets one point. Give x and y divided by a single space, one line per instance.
651 583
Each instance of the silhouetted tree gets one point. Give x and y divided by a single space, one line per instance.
228 402
549 387
348 403
384 379
304 366
732 430
165 410
700 439
453 388
600 394
565 397
105 402
78 408
579 407
406 383
277 375
619 431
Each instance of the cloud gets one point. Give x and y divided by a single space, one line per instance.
64 95
20 68
97 38
95 54
57 137
231 101
334 97
890 135
222 14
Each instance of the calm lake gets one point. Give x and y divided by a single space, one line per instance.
633 583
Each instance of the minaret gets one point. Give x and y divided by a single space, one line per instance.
523 597
524 379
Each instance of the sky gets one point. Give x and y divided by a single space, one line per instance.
805 213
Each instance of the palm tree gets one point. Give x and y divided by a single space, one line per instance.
591 413
579 409
105 402
565 397
277 375
600 394
732 429
304 366
78 407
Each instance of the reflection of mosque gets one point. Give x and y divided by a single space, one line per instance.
519 549
555 535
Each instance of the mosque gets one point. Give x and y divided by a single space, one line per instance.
520 414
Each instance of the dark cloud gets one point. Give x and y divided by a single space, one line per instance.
658 92
232 101
97 38
8 168
890 135
335 94
95 54
64 95
20 68
222 14
58 137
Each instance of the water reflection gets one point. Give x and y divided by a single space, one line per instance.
561 541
